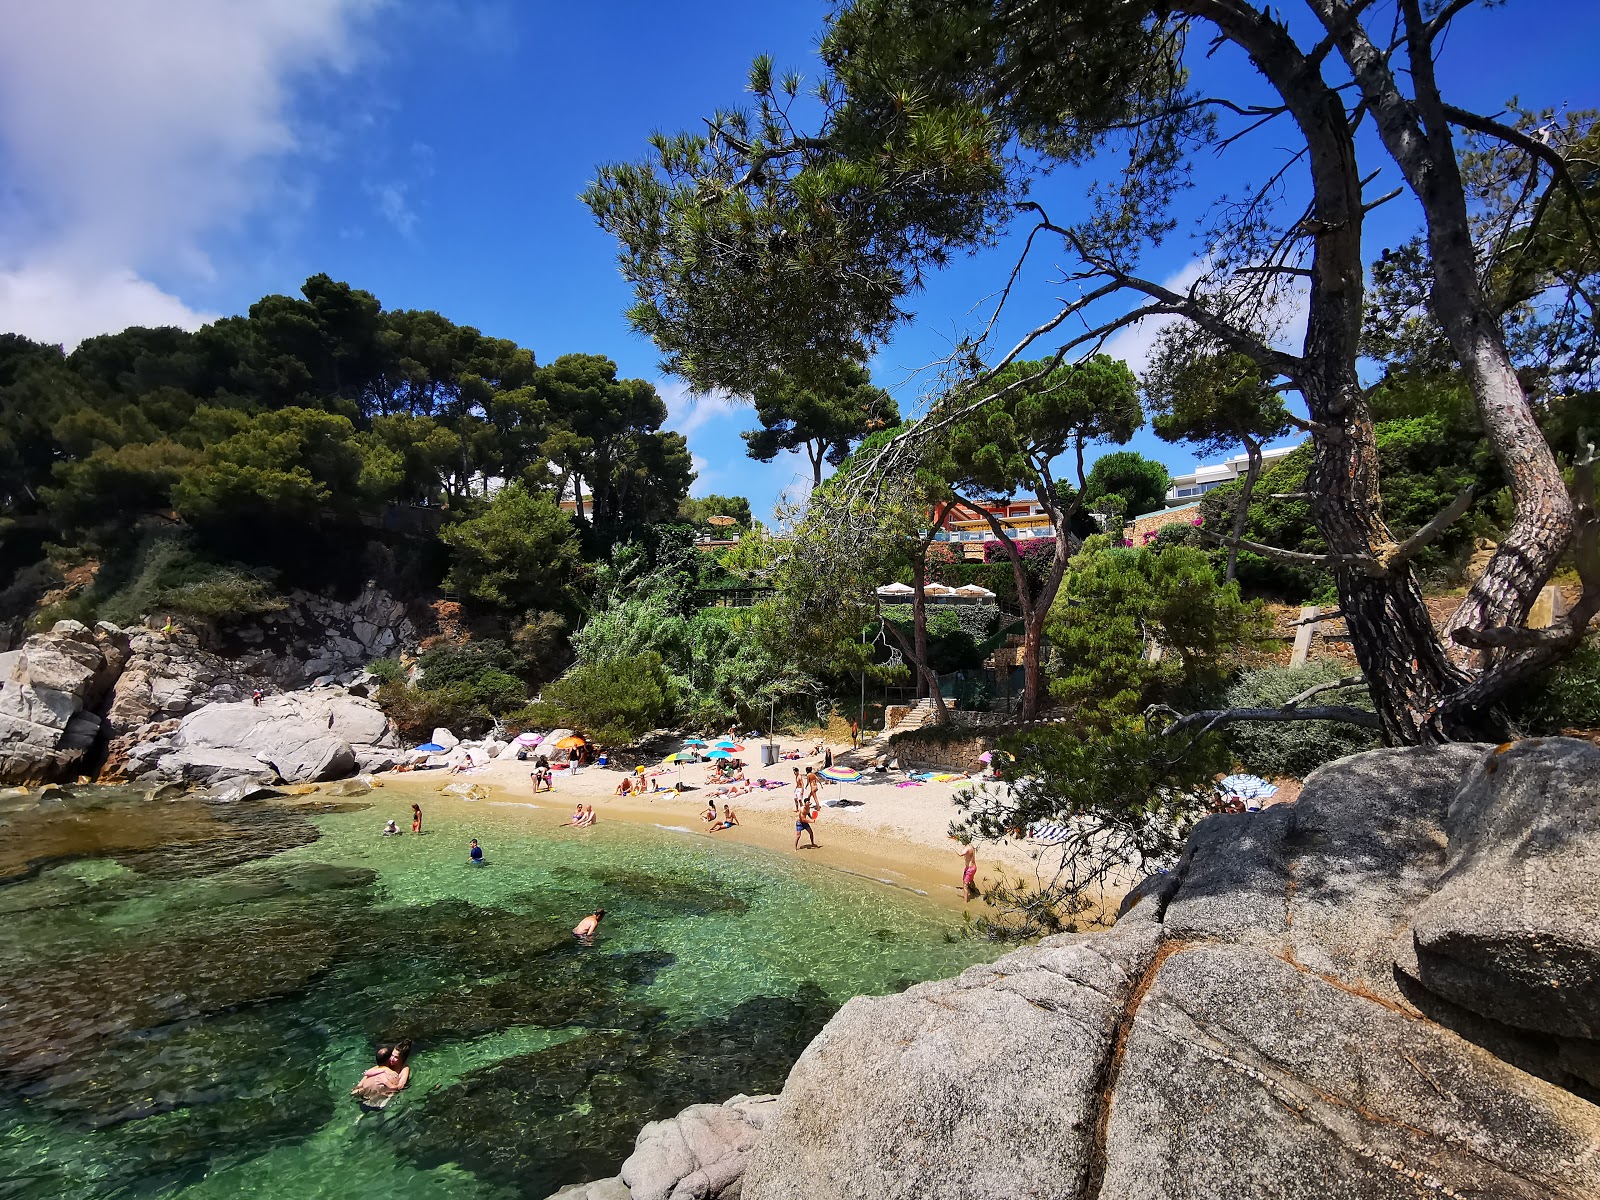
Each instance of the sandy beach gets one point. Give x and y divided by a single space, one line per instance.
898 835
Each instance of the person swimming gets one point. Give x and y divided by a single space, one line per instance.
585 929
392 829
391 1074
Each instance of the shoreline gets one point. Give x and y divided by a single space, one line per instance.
894 836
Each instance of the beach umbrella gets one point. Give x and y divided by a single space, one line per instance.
1247 787
694 741
725 744
529 739
571 742
985 756
429 748
677 756
839 774
720 754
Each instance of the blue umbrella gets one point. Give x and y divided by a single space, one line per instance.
719 754
1248 787
429 748
694 741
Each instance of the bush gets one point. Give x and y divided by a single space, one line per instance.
387 670
1293 747
167 576
464 663
1565 696
614 702
417 712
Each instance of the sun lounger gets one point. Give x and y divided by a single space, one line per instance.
1047 833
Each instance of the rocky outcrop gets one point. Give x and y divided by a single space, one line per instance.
698 1153
1261 1022
297 737
49 688
1513 931
317 638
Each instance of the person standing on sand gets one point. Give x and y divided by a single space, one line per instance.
969 873
813 783
802 824
855 735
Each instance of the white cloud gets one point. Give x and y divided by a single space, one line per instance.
1135 344
51 305
687 412
133 130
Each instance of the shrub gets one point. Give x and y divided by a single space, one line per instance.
416 712
614 702
1293 747
446 664
168 576
1565 696
387 670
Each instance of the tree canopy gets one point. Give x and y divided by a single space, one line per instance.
795 230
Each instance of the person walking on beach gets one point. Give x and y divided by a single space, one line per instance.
855 735
416 818
813 783
969 873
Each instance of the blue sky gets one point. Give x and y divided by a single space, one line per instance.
163 161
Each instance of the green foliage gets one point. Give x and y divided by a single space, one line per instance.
387 670
418 711
165 574
696 509
1293 747
1113 600
614 702
517 554
1141 483
1285 523
1212 400
1565 696
1128 799
823 416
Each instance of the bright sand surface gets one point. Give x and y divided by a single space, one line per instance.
897 835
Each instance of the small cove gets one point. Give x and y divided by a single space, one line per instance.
184 1015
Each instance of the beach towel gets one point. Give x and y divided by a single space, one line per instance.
1047 833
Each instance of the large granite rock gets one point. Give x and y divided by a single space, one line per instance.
1243 1031
1513 930
296 737
697 1155
48 690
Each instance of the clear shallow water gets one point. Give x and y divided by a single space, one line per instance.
189 992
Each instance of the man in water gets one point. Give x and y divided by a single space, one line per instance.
475 854
584 930
969 873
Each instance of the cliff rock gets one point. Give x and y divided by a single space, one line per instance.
48 689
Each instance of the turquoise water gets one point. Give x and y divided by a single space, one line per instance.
190 991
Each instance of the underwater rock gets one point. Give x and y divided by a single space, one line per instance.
570 1112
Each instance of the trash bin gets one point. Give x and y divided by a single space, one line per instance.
769 753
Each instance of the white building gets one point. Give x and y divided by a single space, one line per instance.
1188 488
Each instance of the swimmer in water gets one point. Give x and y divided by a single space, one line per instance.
584 930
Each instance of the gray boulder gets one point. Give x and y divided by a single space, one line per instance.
1513 930
48 689
443 737
298 737
697 1155
1240 1033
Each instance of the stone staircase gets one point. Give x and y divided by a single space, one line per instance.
915 718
